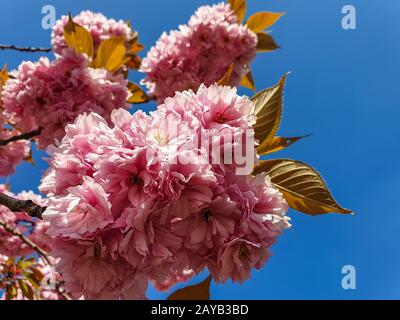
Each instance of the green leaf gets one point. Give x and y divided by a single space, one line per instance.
26 263
302 186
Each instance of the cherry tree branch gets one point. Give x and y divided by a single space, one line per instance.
23 49
23 136
37 249
16 205
26 240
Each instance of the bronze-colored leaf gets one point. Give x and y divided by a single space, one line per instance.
268 108
10 261
277 144
135 46
226 79
4 75
262 20
78 38
247 81
302 186
36 283
137 94
11 291
3 79
265 43
239 8
133 61
111 54
199 291
26 289
37 273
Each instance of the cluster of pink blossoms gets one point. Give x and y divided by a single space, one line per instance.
49 95
34 229
199 53
97 24
143 200
12 246
12 153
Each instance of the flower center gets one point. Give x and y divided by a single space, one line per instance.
97 250
136 180
219 118
244 253
40 101
161 139
206 214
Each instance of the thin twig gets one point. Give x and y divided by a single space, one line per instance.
16 205
23 136
41 252
26 240
23 49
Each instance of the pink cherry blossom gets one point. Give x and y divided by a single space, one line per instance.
81 213
237 258
86 269
212 107
223 121
34 229
141 199
128 178
131 130
49 95
13 153
263 207
148 243
87 138
211 225
199 53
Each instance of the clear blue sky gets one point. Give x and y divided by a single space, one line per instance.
343 88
